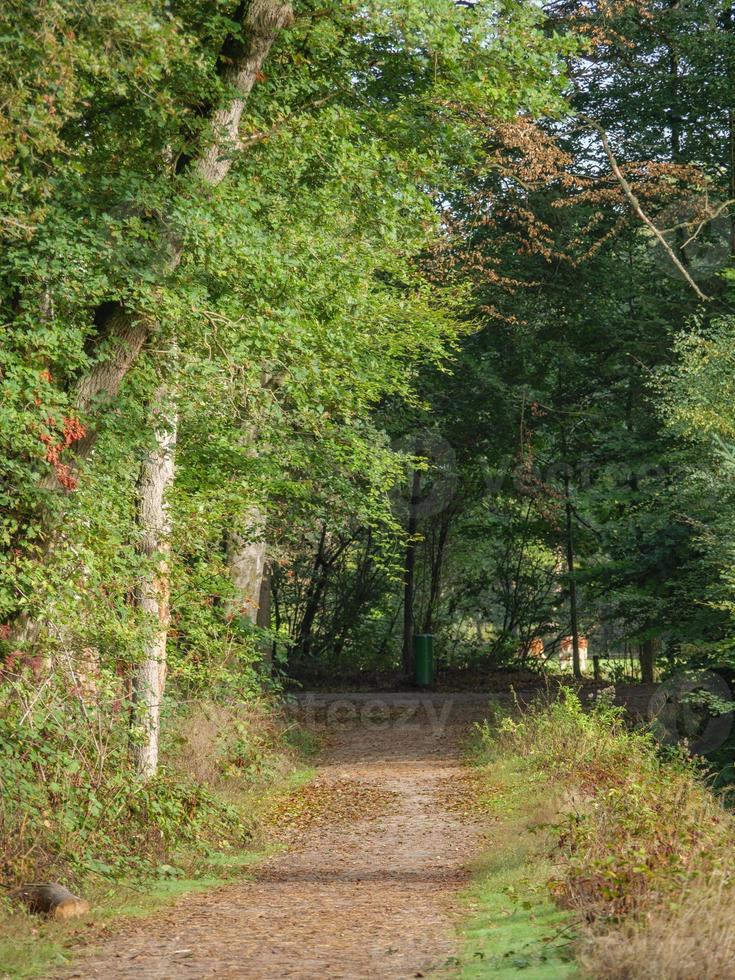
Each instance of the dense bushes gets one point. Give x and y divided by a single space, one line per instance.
643 849
72 807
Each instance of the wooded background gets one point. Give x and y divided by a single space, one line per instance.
328 323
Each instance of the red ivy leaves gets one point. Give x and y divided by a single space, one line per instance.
72 432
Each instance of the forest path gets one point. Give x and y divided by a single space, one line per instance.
368 887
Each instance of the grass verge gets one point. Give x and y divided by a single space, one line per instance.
32 947
246 759
514 928
635 851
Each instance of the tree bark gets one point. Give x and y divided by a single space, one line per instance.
647 657
124 331
437 561
728 22
313 597
263 22
246 561
573 615
263 620
152 596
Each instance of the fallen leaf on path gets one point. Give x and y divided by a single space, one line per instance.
328 801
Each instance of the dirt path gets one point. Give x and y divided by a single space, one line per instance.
371 893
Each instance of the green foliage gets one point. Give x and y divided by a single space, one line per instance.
299 303
641 829
74 808
696 407
582 322
418 238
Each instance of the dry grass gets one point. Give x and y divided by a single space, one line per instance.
221 746
71 808
695 941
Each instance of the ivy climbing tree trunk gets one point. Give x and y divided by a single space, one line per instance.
247 549
124 332
153 593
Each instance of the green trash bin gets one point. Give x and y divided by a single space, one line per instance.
423 659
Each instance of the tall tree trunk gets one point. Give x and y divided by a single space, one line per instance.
263 620
246 552
123 331
352 601
313 597
731 180
569 542
728 22
436 572
155 481
408 582
647 657
276 606
246 561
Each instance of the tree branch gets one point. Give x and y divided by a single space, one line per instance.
254 138
638 209
126 331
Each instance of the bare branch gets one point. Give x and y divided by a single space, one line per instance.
637 208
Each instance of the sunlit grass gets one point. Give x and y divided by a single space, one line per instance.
32 947
513 927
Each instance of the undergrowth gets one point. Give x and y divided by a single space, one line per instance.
514 928
643 849
73 810
72 806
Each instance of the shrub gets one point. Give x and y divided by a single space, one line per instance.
71 805
644 849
